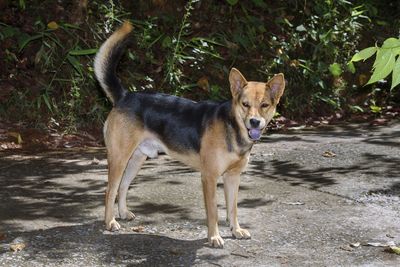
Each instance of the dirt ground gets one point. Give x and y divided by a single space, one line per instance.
306 197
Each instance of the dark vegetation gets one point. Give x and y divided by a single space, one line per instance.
187 48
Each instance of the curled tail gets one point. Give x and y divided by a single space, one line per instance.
106 61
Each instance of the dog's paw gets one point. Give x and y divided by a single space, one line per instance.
241 233
216 241
113 225
127 215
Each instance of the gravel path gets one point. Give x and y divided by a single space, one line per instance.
306 197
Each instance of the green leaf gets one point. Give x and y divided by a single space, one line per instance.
364 54
383 65
396 74
391 43
7 32
375 109
83 52
335 69
47 102
356 108
25 39
166 42
72 26
351 67
75 63
260 3
232 2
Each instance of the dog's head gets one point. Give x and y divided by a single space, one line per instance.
254 103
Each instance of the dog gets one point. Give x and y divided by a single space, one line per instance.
213 138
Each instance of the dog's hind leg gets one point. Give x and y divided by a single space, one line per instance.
122 137
135 163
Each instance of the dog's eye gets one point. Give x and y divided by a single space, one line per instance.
264 105
245 104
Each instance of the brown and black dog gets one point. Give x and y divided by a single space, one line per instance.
213 138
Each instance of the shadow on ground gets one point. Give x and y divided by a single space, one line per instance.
375 162
64 186
60 244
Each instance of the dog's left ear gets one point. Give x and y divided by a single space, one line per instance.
277 86
237 82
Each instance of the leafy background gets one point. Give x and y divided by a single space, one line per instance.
187 48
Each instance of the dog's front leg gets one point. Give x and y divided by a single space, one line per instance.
231 189
209 190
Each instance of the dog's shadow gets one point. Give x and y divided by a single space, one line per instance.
61 245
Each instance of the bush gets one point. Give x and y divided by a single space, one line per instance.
180 47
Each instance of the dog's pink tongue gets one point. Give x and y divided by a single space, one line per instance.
255 134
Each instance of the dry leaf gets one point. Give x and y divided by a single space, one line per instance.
203 84
328 154
394 249
175 251
17 247
137 229
2 236
95 161
16 136
355 245
52 25
379 244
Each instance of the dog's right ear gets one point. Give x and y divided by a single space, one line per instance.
237 82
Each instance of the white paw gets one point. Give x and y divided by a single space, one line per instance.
216 241
113 225
127 215
241 233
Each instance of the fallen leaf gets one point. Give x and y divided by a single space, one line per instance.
2 236
17 247
95 161
137 229
175 251
394 249
380 244
52 25
16 136
355 245
328 154
203 84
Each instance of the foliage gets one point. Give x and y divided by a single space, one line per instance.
385 61
316 52
187 48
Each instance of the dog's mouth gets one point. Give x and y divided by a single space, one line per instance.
255 134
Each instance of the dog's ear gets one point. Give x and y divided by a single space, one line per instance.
237 82
277 86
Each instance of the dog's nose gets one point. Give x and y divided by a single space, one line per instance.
254 123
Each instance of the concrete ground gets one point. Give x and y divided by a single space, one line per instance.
306 196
